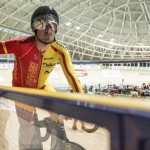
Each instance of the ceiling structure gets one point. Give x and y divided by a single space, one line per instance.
91 30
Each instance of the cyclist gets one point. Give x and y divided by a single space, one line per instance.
35 58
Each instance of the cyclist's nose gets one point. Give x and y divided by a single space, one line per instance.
49 28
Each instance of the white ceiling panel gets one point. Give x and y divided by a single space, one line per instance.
109 30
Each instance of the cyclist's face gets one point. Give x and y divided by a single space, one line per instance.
46 35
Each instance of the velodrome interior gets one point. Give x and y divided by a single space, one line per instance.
94 75
109 44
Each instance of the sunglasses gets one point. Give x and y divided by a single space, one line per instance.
43 21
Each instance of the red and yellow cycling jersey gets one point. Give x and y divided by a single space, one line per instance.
32 68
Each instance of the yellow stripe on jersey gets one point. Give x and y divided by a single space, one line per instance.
4 47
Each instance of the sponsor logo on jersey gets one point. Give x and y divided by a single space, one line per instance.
48 65
36 56
50 58
47 72
24 40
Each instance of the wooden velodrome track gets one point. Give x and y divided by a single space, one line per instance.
99 140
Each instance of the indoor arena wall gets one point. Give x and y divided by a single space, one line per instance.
90 77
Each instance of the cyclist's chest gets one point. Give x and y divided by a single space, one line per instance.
49 59
48 62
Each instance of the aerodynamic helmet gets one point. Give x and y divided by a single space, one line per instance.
43 16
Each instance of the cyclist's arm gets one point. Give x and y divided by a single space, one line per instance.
8 46
15 46
69 71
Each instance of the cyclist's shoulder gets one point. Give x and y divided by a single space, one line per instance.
60 45
25 39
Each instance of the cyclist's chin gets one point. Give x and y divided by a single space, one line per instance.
48 40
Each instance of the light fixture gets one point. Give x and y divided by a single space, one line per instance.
112 40
68 24
139 42
77 28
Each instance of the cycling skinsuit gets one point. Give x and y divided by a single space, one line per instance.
32 68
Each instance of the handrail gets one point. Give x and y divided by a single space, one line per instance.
123 117
74 98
